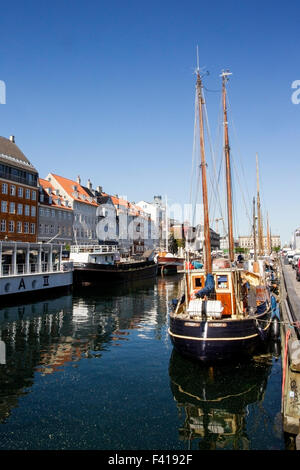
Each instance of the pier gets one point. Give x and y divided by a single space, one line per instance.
290 339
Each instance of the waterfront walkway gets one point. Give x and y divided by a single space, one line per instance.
293 288
290 339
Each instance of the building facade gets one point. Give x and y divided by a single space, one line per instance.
55 215
18 194
160 226
296 240
248 242
84 208
194 237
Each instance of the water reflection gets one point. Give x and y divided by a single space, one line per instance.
90 370
214 401
44 337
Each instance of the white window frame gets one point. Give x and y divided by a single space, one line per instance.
3 206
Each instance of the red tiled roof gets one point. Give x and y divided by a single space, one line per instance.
132 208
45 184
68 185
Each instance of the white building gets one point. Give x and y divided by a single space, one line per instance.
160 225
84 208
246 241
296 240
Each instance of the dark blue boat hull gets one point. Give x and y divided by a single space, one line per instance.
222 340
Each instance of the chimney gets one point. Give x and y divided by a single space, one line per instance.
12 138
78 179
89 184
99 189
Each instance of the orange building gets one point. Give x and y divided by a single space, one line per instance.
18 194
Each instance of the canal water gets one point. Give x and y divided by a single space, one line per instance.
96 370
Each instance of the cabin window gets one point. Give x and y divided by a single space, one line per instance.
222 282
198 282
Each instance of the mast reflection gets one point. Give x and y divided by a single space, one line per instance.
213 401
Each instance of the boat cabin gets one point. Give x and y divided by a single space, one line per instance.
224 290
95 254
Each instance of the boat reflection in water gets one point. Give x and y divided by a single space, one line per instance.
214 400
44 337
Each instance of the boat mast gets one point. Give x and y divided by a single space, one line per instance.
167 228
259 218
254 231
268 236
224 76
208 262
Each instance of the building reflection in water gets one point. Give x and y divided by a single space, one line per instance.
213 401
44 337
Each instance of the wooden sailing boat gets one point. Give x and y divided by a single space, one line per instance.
225 312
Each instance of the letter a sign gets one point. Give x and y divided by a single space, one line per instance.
22 284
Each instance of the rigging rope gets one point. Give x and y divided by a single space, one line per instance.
215 187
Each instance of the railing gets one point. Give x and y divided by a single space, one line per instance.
8 269
94 248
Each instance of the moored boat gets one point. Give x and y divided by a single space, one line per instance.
32 269
102 263
169 263
224 311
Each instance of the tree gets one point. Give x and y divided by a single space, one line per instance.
172 243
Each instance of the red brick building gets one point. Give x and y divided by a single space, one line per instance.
18 194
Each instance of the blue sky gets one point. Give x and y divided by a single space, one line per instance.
105 89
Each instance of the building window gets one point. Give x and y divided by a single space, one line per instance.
20 209
3 225
41 211
32 228
46 228
27 193
12 190
3 206
11 226
33 195
53 213
11 207
19 227
26 227
33 211
27 210
20 192
4 188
